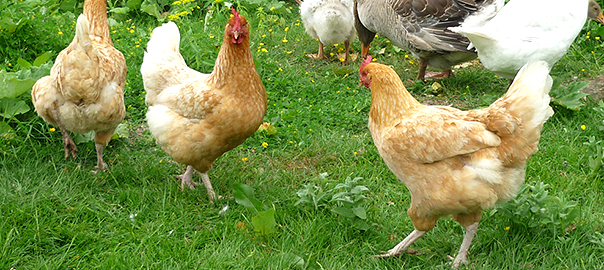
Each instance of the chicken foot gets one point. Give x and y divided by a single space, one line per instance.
347 58
321 54
99 157
462 256
186 179
70 147
403 245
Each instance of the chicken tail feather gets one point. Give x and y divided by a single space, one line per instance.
529 93
83 33
165 38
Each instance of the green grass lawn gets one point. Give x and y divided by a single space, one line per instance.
57 214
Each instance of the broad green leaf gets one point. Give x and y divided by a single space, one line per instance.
41 59
569 97
244 195
121 10
79 138
11 86
346 212
24 64
121 131
359 190
5 129
264 222
360 212
9 107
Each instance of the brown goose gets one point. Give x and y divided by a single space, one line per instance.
421 27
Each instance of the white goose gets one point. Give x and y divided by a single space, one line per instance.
529 30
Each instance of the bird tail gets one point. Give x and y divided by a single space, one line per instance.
165 39
162 61
82 36
528 95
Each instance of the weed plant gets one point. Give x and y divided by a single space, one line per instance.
57 214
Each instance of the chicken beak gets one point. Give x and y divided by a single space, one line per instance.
236 34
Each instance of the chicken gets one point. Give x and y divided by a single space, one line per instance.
197 117
85 89
420 26
456 162
529 30
329 21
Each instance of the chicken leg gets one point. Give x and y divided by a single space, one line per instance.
347 58
70 147
186 179
462 256
403 245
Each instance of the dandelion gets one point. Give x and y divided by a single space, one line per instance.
312 80
280 69
331 54
288 52
406 56
583 127
583 70
341 59
411 62
176 3
297 24
286 29
284 40
355 153
587 37
244 159
264 50
211 36
507 228
270 30
263 35
264 144
597 38
60 33
52 129
291 142
272 8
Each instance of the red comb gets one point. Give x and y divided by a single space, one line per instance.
237 25
365 62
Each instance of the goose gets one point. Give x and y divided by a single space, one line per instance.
421 27
518 34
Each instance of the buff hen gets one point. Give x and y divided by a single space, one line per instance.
456 162
85 89
197 117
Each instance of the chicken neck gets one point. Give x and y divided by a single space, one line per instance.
233 62
96 13
390 100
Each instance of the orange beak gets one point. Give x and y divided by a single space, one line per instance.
600 19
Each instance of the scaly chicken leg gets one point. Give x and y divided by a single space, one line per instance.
346 46
68 143
462 256
187 176
403 245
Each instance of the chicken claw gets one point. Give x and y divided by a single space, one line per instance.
69 145
403 245
186 178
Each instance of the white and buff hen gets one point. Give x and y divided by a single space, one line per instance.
456 162
197 117
85 89
329 21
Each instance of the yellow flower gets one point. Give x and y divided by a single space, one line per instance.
264 50
291 142
244 159
587 37
507 228
286 29
176 3
131 30
297 24
406 56
583 127
272 8
284 40
263 35
264 144
270 30
211 36
280 69
583 70
597 38
60 33
341 59
51 129
288 52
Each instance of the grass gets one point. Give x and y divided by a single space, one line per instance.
56 213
